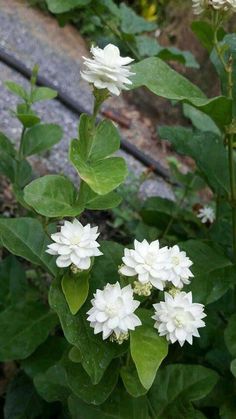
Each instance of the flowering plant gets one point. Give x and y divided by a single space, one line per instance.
116 339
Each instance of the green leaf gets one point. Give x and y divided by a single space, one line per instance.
43 93
147 348
213 271
120 405
103 175
162 80
41 137
51 384
233 367
106 141
96 353
8 165
53 196
149 46
81 385
13 284
108 264
178 385
6 145
74 355
111 6
17 89
75 288
93 201
28 120
22 401
23 173
23 327
58 6
200 146
26 238
45 356
131 381
200 120
211 286
131 23
204 32
230 335
89 155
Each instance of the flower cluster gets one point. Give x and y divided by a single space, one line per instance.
199 6
107 69
112 312
155 265
177 317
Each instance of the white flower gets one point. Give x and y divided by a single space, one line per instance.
206 214
178 267
75 244
199 6
107 69
148 262
113 311
178 318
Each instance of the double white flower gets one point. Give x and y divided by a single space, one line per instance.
75 244
178 318
155 265
113 312
199 6
107 69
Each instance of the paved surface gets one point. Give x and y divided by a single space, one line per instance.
35 38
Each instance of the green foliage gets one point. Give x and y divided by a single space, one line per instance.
75 288
199 146
31 326
40 138
176 386
147 349
92 160
148 47
56 6
131 23
53 196
166 82
25 237
22 400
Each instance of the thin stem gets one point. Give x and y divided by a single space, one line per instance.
179 204
228 67
151 410
20 151
232 187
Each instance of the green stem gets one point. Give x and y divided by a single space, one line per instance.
151 410
179 204
20 151
228 67
232 187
